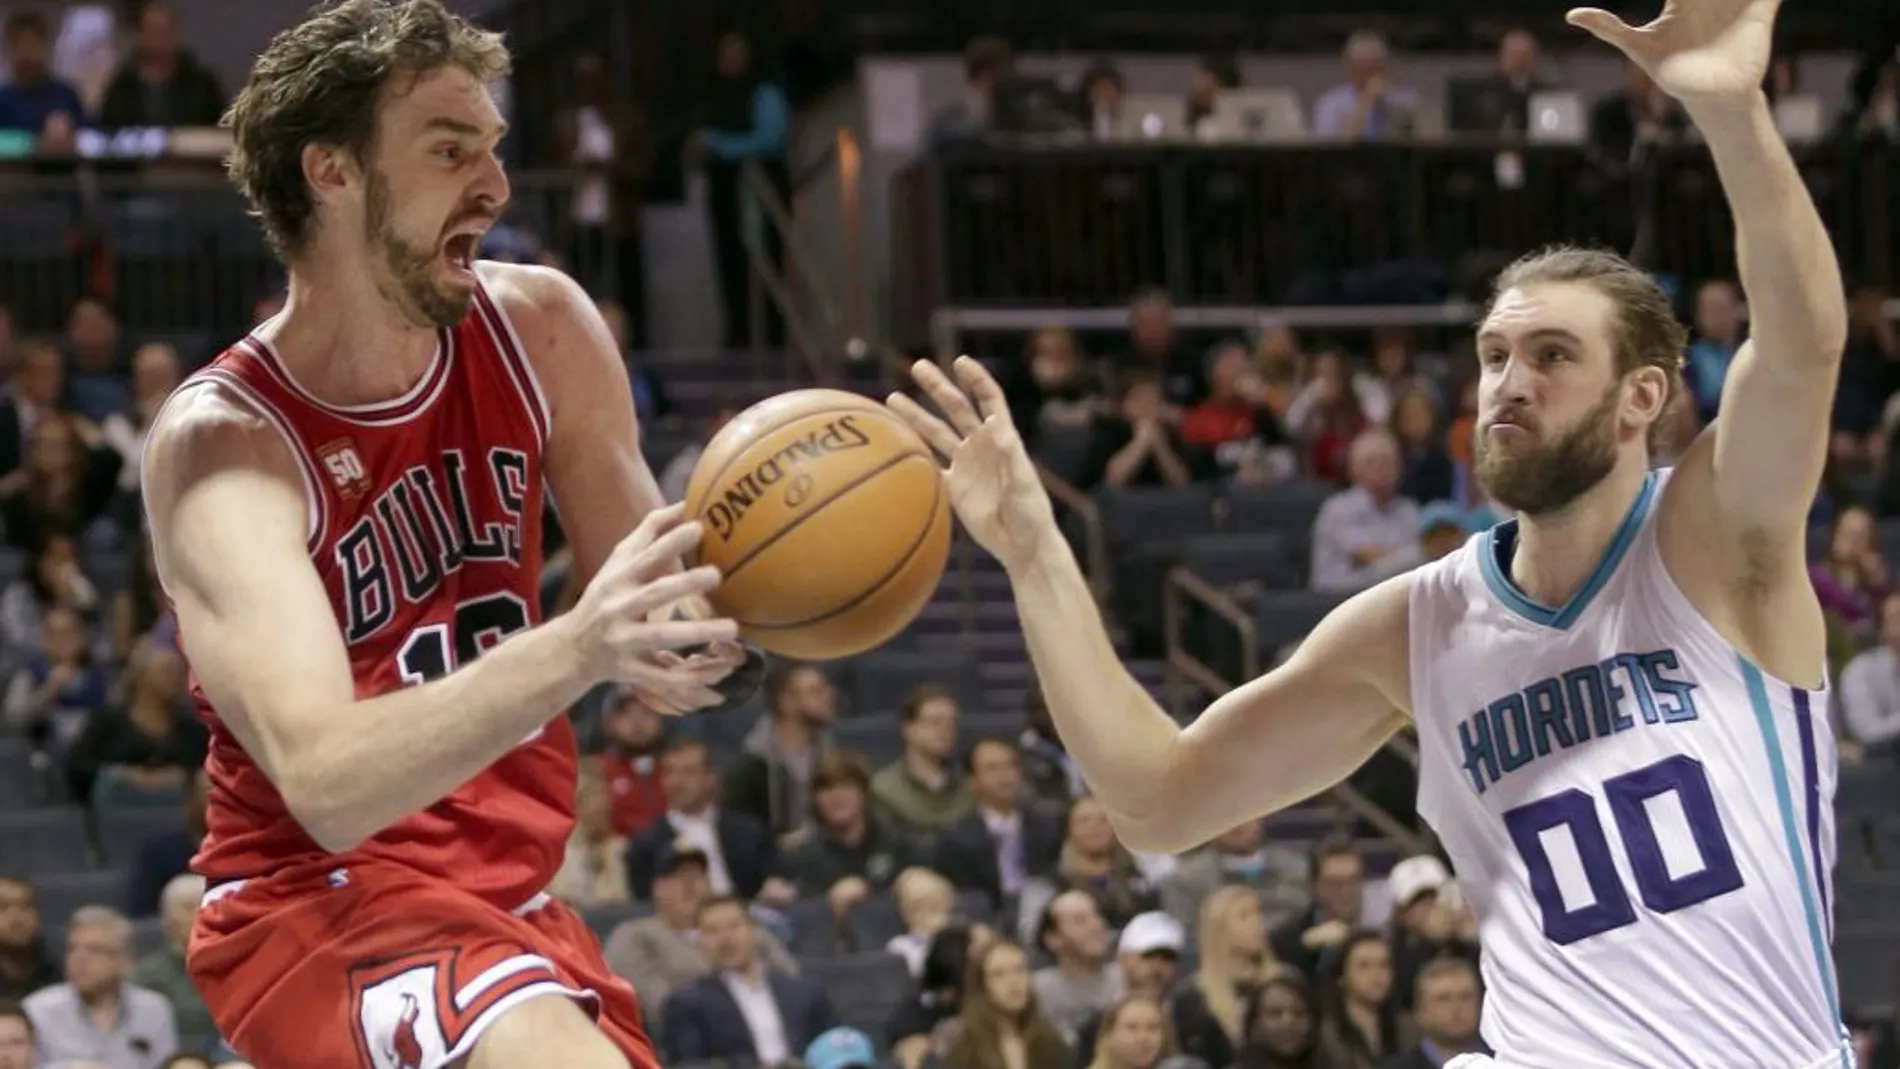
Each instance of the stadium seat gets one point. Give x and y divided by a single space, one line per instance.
16 774
1285 617
1250 560
1865 896
62 893
124 832
881 681
1864 959
814 930
603 919
1155 514
43 840
1887 844
1288 508
864 987
1066 452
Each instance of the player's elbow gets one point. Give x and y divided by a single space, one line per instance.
323 807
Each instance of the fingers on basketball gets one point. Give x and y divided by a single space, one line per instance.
948 397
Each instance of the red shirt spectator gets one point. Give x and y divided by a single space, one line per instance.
631 765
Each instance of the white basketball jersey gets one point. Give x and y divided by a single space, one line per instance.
1641 818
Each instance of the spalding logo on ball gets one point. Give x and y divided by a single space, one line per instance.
828 520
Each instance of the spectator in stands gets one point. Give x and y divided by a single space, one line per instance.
57 687
920 793
156 372
1633 118
1054 391
922 1026
662 953
161 84
594 871
1050 775
95 380
771 778
1001 1025
1428 922
1339 876
1149 954
1870 373
146 749
1083 980
163 970
987 61
1137 446
1215 75
1279 362
1135 1034
748 1010
1326 416
34 97
25 966
926 903
1446 1015
1359 527
1426 470
1870 687
1720 332
1234 957
741 855
631 764
35 392
1281 1027
52 580
68 482
1391 376
679 471
1500 103
747 120
1099 99
1359 1026
1154 346
1853 578
607 140
844 853
650 401
1875 114
1002 844
16 1037
98 1014
1234 432
1240 857
1367 107
1460 439
1094 862
169 855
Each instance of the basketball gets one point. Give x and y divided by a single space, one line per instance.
828 520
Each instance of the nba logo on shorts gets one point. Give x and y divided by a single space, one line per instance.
397 1018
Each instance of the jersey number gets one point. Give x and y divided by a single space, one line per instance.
432 652
1629 795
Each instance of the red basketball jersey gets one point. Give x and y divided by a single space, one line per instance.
425 526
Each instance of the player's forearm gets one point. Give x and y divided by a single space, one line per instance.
1797 305
374 762
1116 733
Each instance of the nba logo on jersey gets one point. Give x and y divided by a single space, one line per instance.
397 1020
345 466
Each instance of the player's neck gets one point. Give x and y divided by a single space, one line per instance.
342 340
1558 552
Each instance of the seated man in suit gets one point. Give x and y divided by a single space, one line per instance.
1000 846
744 1013
1446 1009
741 856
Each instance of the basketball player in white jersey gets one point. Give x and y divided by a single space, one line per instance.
1619 694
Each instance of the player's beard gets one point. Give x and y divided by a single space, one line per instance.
1544 477
411 267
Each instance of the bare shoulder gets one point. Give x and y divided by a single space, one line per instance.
566 341
207 428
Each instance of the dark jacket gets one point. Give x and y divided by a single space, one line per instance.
750 853
192 98
703 1023
816 861
966 855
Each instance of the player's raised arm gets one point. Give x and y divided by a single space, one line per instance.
1757 468
229 520
1273 742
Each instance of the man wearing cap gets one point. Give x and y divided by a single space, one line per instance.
661 953
841 1048
1149 957
1429 921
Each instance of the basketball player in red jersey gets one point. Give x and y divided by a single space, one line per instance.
346 509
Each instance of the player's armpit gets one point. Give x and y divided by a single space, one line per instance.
1297 730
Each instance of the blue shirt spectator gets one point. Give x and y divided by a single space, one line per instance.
34 95
1367 107
1719 334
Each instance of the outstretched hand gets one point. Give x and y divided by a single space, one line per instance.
1698 51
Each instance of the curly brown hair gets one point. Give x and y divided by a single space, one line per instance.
320 82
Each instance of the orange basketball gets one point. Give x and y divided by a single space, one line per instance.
828 520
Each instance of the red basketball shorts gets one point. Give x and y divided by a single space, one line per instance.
380 967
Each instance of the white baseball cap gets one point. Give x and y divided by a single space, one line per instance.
1414 876
1152 931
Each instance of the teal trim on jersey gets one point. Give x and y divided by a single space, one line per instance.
1498 578
1791 830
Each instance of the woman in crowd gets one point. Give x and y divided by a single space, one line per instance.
1326 416
1360 1027
1000 1026
53 580
156 373
146 748
1853 578
64 485
1425 466
1093 860
923 1026
1281 1027
1135 1034
1056 391
1234 958
594 873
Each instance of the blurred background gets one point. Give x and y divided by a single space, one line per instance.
1225 256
